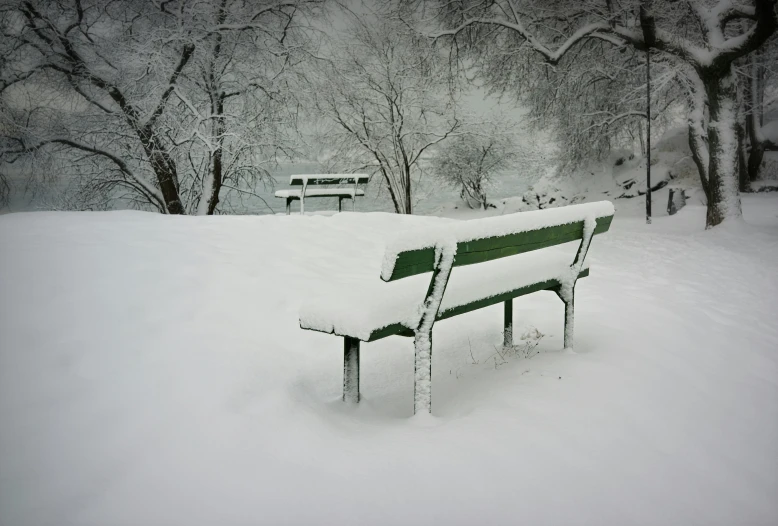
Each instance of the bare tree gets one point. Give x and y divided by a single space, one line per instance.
594 100
469 161
237 100
126 94
693 34
385 91
80 51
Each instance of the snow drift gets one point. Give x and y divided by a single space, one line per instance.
152 371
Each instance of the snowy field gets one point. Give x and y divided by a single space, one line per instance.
152 372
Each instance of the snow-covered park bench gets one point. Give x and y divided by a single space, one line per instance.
342 192
375 312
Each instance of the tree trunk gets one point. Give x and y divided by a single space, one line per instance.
165 169
742 158
399 190
698 144
407 178
755 157
723 194
699 156
213 184
398 208
754 92
219 126
216 183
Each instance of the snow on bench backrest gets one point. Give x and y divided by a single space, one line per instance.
312 179
491 238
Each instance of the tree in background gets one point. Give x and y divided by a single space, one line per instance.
157 105
593 100
237 102
384 89
704 38
109 108
759 74
469 162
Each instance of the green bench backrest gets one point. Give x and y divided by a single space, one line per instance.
314 179
422 260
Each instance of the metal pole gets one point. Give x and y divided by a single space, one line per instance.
507 339
350 370
648 136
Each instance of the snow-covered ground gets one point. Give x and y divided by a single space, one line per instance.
152 372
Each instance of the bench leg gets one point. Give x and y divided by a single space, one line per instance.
569 315
350 370
288 206
340 204
422 378
507 332
422 341
569 325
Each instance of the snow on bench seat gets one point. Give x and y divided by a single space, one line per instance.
490 227
334 192
374 305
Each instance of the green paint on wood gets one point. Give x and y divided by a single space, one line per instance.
413 262
401 330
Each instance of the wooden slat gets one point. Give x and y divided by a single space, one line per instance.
413 262
486 302
402 330
297 180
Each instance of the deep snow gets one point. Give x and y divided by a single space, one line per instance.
152 371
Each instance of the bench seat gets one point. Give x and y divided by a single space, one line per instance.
325 192
377 310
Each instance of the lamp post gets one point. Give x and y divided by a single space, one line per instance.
648 135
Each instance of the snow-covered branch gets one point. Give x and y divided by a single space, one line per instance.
551 56
148 190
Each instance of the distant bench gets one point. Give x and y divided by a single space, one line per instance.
354 180
374 312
